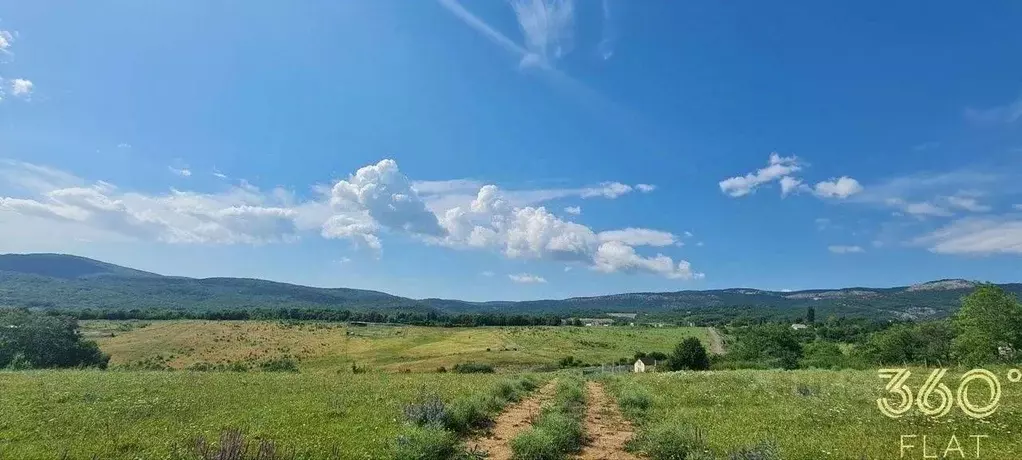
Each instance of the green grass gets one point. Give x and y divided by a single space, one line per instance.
333 346
808 414
558 431
116 414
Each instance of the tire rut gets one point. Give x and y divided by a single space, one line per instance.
496 442
606 430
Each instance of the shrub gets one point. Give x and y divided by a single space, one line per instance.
473 368
45 341
635 401
535 444
762 451
232 445
285 364
427 443
429 410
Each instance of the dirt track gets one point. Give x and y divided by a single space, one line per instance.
496 443
716 341
606 430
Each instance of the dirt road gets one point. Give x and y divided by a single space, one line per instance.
607 431
496 442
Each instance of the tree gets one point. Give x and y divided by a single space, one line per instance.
988 326
41 341
689 354
811 315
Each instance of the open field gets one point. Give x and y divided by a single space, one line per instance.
112 414
334 346
814 414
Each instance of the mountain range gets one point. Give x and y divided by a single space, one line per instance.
60 281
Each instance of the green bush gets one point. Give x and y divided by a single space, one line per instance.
279 365
473 368
43 341
535 444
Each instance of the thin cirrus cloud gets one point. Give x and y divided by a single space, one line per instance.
183 172
839 249
1005 114
376 200
527 278
975 236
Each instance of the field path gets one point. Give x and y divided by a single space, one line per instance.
716 341
496 443
606 430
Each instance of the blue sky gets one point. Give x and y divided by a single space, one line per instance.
518 149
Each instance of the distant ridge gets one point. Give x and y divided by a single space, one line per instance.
72 282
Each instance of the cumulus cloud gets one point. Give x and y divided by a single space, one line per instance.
573 210
6 39
387 197
616 256
645 188
777 168
491 222
21 87
845 249
639 237
526 278
973 236
789 184
841 188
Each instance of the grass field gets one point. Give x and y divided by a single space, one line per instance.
334 346
813 414
113 414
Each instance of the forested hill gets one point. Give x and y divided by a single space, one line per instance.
71 282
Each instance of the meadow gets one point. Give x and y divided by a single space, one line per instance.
809 415
329 347
154 414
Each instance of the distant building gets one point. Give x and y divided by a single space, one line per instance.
644 364
798 326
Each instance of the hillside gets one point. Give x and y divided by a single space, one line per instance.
71 282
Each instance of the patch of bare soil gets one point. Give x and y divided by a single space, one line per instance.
606 430
496 442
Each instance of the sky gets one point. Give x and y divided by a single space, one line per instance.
518 149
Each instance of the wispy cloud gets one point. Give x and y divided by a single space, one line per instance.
838 249
573 210
609 35
973 236
548 27
183 172
487 274
218 174
1009 113
527 278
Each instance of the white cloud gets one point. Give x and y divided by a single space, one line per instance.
6 39
609 190
822 223
218 174
789 184
1009 113
487 274
548 27
845 249
687 234
21 87
526 278
919 209
777 168
234 217
359 228
841 188
976 237
609 35
124 146
615 256
1018 206
967 203
639 237
645 188
442 187
387 197
183 172
574 210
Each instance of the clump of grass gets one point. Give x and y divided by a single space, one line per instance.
761 451
232 445
284 364
635 401
672 440
434 426
558 431
430 442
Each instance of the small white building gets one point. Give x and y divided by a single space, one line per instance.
644 365
798 327
639 366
